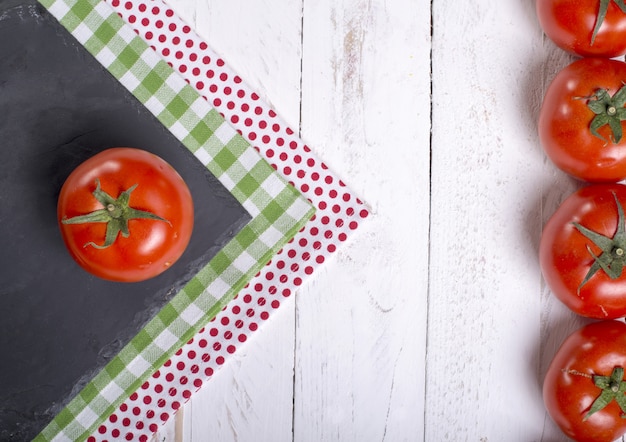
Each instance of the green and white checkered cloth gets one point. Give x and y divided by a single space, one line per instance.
278 210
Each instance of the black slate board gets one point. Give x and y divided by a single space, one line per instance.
58 324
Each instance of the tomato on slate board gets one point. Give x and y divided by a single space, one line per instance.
581 120
583 251
584 388
125 215
589 28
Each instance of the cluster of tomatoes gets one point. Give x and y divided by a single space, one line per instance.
583 244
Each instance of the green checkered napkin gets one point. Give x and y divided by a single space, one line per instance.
277 209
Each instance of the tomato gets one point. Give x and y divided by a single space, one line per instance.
589 28
581 120
584 390
125 215
583 250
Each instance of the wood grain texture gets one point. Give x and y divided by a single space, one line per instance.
361 323
492 190
434 322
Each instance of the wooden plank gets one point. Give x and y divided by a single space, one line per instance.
492 323
251 397
361 322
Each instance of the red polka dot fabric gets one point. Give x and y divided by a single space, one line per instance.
339 214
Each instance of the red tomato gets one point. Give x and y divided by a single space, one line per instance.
583 390
125 215
583 250
571 24
580 123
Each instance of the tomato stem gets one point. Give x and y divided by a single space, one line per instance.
613 256
609 110
602 10
613 389
116 214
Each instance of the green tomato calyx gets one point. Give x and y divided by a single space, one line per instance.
613 256
608 110
116 214
602 10
613 389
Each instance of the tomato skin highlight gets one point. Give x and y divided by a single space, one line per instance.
152 246
565 119
570 24
568 390
565 259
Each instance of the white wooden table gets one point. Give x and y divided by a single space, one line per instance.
433 323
